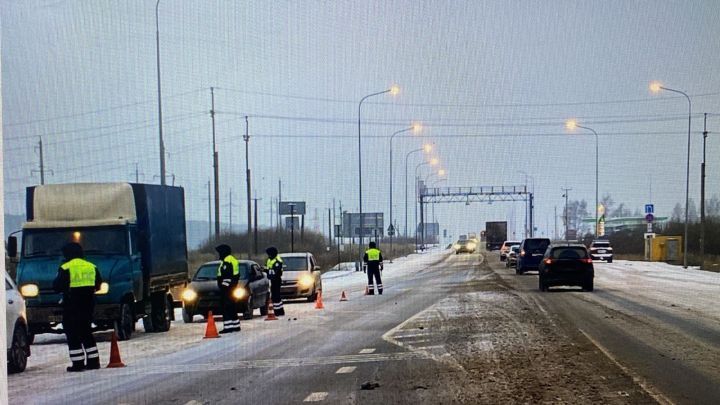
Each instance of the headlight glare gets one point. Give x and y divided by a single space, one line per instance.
189 295
104 288
239 293
306 281
29 290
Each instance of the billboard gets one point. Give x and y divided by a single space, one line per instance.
292 223
373 224
298 208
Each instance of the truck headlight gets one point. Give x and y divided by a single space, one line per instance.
29 290
104 288
189 295
239 293
306 281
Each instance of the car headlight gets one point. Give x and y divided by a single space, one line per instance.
239 293
104 288
456 246
29 290
306 281
471 246
189 295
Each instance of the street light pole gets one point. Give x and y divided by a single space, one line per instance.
406 187
571 125
566 195
702 191
391 182
656 87
216 167
417 196
160 129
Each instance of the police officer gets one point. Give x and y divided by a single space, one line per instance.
227 279
78 279
374 262
274 267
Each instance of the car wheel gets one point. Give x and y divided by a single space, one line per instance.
125 325
248 314
519 270
541 285
609 260
18 352
264 308
30 338
313 296
588 285
187 316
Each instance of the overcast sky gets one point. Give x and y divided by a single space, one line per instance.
491 81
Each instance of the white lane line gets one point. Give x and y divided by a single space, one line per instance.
411 335
345 370
645 385
193 402
316 397
367 351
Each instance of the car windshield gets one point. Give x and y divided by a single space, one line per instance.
601 244
536 245
209 272
515 248
100 241
295 263
569 253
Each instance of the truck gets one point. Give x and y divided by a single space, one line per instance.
495 234
134 233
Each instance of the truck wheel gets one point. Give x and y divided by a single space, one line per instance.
18 351
161 313
125 325
187 316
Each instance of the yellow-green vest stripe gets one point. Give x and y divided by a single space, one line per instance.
373 254
233 262
82 273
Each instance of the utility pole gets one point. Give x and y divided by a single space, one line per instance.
702 192
209 198
566 190
555 217
41 166
216 168
246 138
137 173
330 238
292 228
272 211
230 205
160 129
279 215
532 219
255 226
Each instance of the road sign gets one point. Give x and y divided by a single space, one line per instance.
391 230
292 207
649 217
649 208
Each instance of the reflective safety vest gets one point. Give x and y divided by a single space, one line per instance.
373 255
233 262
271 262
82 273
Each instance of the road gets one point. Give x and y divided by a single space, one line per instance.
448 329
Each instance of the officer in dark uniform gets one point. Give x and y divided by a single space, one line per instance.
274 266
227 280
78 279
374 261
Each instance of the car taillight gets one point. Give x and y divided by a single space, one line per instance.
588 260
522 253
548 261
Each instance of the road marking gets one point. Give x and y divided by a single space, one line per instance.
646 386
367 351
193 402
316 397
345 370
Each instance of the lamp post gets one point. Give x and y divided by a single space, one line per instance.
655 87
393 90
571 125
528 204
160 132
432 162
427 149
416 128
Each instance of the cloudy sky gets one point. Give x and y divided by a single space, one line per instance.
491 81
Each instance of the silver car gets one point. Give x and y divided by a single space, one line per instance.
18 343
301 276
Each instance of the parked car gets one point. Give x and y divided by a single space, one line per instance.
203 294
566 264
18 343
301 276
600 249
512 255
505 248
531 253
464 246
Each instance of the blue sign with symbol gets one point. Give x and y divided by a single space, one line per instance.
649 208
649 217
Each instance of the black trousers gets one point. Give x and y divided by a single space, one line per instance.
277 301
77 324
229 310
374 272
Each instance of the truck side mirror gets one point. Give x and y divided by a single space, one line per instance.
12 247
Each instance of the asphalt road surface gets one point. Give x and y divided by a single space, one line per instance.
449 328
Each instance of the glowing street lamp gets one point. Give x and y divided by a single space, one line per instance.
572 125
416 128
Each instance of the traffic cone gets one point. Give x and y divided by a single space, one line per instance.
210 330
115 361
271 312
343 297
318 301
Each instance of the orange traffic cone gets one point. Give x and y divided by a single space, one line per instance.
115 360
318 301
343 297
271 312
210 330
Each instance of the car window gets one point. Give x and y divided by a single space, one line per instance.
295 263
569 253
8 286
536 245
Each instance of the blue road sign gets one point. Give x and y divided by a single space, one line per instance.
649 208
649 217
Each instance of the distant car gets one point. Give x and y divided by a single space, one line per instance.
531 254
505 248
301 276
512 255
203 294
464 246
18 343
600 249
566 264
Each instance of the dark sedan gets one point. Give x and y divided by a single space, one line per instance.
567 265
203 294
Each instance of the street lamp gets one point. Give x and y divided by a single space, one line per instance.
157 54
415 128
571 125
655 87
432 162
427 148
392 90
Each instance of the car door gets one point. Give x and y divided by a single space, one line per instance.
12 309
315 270
260 283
